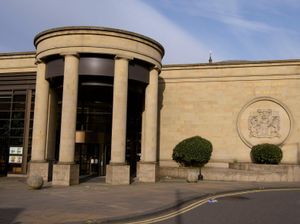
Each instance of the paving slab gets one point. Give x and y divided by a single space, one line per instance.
97 202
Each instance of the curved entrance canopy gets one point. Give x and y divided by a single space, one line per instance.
100 87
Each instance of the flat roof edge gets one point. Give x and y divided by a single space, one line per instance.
231 62
12 54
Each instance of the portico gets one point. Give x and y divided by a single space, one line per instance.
93 53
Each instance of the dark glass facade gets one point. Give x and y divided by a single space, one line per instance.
16 120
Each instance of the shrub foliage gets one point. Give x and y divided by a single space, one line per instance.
266 154
194 151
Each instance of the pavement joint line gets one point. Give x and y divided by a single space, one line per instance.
200 200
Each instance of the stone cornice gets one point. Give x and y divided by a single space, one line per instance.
88 29
15 55
17 62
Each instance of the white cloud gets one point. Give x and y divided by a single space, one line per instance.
235 32
133 15
257 26
227 12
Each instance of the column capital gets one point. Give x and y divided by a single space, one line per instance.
122 56
156 68
71 53
38 61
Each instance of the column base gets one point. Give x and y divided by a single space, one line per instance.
147 172
65 174
39 169
117 174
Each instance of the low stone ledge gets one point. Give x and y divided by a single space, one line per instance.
240 172
262 167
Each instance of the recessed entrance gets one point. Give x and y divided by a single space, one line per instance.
94 123
93 135
91 153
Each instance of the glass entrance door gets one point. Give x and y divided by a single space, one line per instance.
91 158
94 117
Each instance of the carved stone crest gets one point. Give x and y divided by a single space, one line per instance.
264 123
264 120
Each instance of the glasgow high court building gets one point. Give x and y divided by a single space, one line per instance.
97 101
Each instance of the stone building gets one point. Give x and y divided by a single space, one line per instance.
98 101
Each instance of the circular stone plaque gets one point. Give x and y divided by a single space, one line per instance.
264 120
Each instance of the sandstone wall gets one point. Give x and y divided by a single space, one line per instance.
218 100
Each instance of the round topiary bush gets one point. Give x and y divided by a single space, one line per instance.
266 154
194 151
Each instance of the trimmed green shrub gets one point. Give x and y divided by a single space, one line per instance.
194 151
266 154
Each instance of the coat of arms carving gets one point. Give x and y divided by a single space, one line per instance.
264 123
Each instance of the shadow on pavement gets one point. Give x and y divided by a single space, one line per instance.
8 215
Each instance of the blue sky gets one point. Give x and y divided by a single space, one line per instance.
188 29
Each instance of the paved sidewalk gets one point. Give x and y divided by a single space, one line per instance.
96 202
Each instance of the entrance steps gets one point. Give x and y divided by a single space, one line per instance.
242 172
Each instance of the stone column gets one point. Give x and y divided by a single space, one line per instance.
118 172
66 172
147 167
51 124
38 164
143 136
51 130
